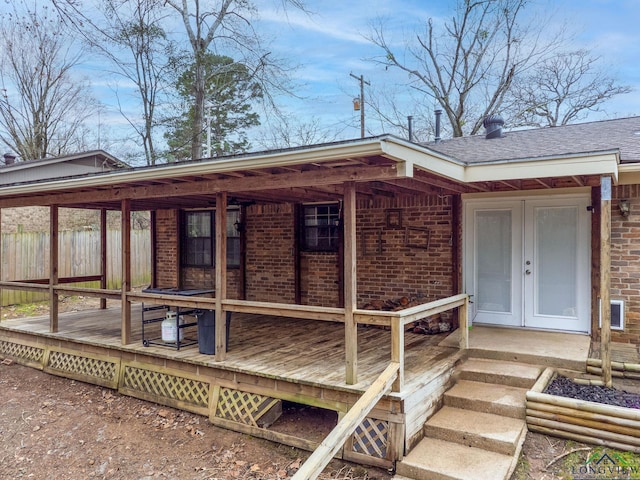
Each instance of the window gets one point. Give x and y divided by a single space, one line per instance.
197 245
321 227
198 238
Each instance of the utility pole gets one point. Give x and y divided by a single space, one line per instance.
362 82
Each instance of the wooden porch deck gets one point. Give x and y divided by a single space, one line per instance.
290 349
273 359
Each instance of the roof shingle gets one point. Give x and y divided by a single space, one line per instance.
621 134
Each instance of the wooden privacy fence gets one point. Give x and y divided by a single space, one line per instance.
25 256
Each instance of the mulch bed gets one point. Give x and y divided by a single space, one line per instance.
565 387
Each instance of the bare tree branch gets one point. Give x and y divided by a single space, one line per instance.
468 64
561 90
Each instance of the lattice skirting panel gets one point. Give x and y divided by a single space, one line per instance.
84 367
244 407
166 387
371 438
23 354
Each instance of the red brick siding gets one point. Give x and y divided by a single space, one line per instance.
625 262
167 248
319 272
270 249
401 269
398 270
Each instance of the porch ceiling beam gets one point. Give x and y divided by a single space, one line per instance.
513 185
544 183
422 184
246 184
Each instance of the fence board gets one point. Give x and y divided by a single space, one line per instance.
25 256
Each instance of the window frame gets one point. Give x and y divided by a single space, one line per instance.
233 215
334 231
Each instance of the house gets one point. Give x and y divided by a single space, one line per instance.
37 219
531 230
86 163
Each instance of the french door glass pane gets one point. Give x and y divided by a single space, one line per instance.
556 260
493 254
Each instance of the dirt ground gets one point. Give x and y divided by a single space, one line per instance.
55 428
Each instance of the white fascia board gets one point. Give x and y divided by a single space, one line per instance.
423 158
587 164
629 174
324 153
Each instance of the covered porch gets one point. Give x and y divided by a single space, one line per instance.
298 329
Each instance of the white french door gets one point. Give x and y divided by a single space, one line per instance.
527 262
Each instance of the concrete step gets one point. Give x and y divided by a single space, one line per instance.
488 398
505 373
434 459
476 429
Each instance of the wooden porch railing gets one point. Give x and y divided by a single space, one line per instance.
397 321
354 417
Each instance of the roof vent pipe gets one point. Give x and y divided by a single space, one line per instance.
438 113
493 126
9 158
410 124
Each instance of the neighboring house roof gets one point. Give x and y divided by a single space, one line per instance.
622 135
94 161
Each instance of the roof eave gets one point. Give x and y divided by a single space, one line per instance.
591 163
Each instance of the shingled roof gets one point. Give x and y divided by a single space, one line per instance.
622 135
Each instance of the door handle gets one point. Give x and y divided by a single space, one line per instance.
528 272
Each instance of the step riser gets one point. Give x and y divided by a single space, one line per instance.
496 378
472 440
421 474
485 406
576 365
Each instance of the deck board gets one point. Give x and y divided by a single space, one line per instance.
296 350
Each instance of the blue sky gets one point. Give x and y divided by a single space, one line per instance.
331 44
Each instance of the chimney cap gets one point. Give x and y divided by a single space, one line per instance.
493 125
9 158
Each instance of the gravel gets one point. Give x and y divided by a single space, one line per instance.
565 387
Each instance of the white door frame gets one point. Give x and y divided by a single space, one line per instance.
523 291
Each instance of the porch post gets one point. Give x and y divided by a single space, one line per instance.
103 255
53 268
126 270
350 284
221 275
605 278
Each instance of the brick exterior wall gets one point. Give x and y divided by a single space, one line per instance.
270 265
319 279
625 262
390 264
167 253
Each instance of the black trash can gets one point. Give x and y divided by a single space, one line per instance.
207 331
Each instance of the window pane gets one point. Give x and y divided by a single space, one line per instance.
199 224
198 243
493 243
321 227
